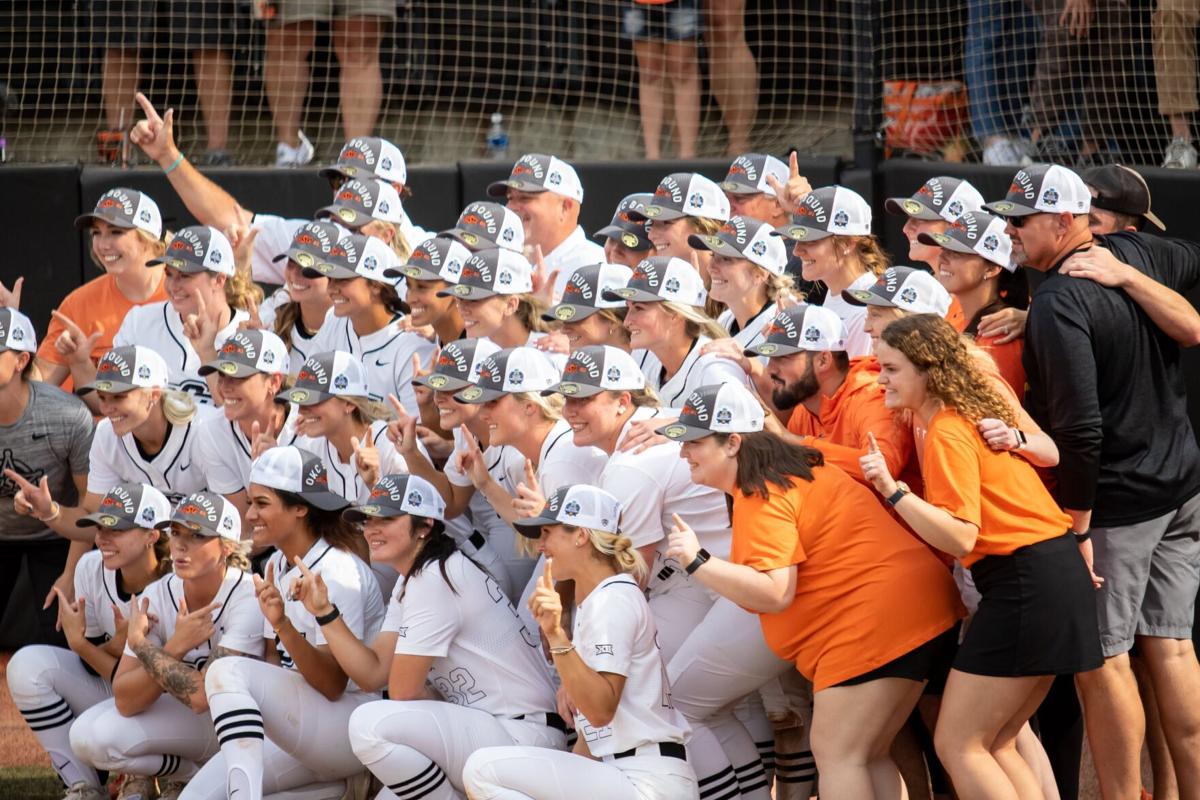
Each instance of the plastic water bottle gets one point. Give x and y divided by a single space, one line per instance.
497 139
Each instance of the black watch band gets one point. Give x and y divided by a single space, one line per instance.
896 496
702 556
330 617
1080 538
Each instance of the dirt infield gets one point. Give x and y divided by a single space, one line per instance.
20 748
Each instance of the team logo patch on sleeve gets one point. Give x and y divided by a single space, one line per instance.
604 650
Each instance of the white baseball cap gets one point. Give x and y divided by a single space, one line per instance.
583 293
438 258
360 200
687 194
16 332
369 156
207 513
123 369
1043 188
510 371
357 256
599 368
748 174
198 248
249 351
907 288
292 469
127 506
661 278
491 272
976 233
535 172
483 225
125 208
828 211
578 505
716 408
806 327
938 198
397 494
334 373
748 238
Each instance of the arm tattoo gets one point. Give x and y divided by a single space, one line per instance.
176 678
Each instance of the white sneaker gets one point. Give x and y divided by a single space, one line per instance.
85 791
1006 151
298 156
1180 155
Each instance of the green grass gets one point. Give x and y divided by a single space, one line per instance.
29 783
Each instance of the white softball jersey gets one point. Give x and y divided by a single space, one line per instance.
651 486
174 470
615 633
102 589
301 347
223 450
344 479
696 371
159 326
483 657
238 620
386 354
751 333
352 588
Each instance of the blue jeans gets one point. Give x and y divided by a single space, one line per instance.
1001 39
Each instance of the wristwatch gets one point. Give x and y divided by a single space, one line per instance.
898 495
702 556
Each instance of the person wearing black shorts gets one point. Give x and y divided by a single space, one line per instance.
664 38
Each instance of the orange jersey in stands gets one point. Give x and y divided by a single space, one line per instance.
998 492
867 592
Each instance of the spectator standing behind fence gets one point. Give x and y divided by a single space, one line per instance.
732 73
126 29
664 34
1075 88
1001 35
1174 23
291 35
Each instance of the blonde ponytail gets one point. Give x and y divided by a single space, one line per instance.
529 312
178 407
240 289
237 554
551 407
619 549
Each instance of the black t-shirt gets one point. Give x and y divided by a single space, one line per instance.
1107 385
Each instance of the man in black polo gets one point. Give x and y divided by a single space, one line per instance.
1107 385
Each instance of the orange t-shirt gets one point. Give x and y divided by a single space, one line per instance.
991 373
955 315
840 430
999 492
867 592
1008 361
97 302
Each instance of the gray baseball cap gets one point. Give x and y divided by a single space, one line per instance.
127 506
398 494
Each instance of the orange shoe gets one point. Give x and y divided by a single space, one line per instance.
108 145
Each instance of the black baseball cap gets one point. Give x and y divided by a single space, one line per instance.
1122 190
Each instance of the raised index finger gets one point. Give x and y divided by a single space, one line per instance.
19 480
147 107
300 565
548 571
793 165
67 322
872 445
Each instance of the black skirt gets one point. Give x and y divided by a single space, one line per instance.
1037 615
926 662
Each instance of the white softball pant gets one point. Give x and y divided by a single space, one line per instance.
530 773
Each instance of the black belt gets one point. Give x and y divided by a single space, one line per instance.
477 539
667 749
551 720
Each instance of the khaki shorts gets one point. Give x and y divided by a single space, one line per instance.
1151 573
324 10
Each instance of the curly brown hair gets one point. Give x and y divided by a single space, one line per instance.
951 372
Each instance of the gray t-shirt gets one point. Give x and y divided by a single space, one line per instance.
51 438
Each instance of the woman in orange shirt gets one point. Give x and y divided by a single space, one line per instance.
976 267
1037 614
125 230
862 608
